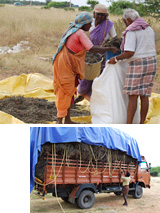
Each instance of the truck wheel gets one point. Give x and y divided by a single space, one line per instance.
86 199
138 192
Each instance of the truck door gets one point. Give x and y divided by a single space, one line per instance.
144 174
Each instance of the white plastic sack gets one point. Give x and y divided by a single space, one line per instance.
108 104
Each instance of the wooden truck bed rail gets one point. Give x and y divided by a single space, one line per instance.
69 171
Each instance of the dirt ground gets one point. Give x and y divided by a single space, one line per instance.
150 202
36 110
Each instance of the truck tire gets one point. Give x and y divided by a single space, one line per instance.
86 199
138 192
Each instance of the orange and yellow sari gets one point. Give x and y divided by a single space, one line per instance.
66 68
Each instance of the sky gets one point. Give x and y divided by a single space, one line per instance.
148 139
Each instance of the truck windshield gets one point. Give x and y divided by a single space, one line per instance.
144 165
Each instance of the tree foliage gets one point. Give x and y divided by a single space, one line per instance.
144 7
155 171
118 7
47 2
153 7
22 2
58 4
85 8
92 3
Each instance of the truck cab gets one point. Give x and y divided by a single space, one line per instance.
144 173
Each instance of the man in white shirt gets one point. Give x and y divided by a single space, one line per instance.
138 46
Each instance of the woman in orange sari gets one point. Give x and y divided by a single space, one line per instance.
69 62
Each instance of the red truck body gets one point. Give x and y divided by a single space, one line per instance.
68 178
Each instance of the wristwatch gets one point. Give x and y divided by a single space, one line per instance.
115 59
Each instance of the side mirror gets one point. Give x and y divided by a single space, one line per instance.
149 166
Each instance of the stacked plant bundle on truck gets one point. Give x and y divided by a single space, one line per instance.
79 152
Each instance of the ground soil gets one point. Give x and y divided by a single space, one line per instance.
36 110
104 203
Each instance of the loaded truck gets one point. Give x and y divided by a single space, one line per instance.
78 180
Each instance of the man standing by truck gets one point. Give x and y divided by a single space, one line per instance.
125 187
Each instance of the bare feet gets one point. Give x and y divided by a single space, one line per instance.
68 121
59 121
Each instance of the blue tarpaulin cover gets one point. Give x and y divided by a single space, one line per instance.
108 137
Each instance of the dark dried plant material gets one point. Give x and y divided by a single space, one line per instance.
36 110
92 58
116 42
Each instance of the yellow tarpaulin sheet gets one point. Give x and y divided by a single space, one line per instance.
153 116
38 86
9 119
31 85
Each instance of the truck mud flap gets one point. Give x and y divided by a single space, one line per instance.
77 190
41 196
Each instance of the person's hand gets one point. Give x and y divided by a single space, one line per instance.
112 61
115 50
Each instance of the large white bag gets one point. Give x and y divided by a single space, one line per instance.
108 104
